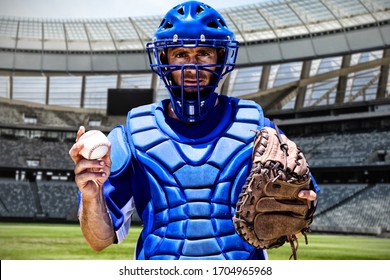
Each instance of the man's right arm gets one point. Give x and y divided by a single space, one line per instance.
95 223
90 175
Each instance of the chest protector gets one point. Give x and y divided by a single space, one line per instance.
185 189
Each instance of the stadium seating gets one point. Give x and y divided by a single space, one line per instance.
17 151
332 195
57 198
347 149
50 200
354 209
16 199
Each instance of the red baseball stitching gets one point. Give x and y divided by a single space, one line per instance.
95 147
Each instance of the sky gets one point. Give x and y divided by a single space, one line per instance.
89 9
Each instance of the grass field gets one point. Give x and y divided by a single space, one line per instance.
33 241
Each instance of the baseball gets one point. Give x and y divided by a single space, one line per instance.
96 144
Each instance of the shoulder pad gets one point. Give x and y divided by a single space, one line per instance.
120 150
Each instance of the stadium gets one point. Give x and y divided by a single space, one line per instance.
319 69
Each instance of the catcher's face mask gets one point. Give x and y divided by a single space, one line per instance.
193 26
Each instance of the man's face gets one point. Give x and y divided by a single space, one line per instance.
198 55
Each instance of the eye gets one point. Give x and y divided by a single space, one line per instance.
180 55
203 53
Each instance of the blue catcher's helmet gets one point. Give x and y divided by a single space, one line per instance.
192 24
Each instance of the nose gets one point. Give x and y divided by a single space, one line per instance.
190 71
192 59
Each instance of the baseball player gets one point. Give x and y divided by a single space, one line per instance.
181 163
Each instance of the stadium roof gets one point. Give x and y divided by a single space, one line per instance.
273 31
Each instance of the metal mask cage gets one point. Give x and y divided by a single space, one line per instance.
192 108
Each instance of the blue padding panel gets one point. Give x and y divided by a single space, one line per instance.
176 230
120 150
201 247
231 242
233 167
115 212
158 196
164 257
178 213
222 193
248 115
204 258
167 155
220 211
196 176
239 182
142 110
199 209
163 175
160 231
224 227
152 241
199 229
242 131
175 196
161 218
238 255
196 154
148 217
142 123
170 246
147 139
220 157
197 194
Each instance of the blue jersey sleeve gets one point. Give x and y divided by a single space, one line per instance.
117 189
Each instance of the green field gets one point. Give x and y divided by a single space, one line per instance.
33 241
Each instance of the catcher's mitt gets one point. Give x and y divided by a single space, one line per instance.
269 211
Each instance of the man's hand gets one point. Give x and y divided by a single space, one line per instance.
89 174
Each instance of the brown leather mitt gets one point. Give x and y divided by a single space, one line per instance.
269 212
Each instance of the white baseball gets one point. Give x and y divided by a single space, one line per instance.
96 144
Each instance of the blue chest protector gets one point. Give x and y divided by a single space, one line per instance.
184 189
